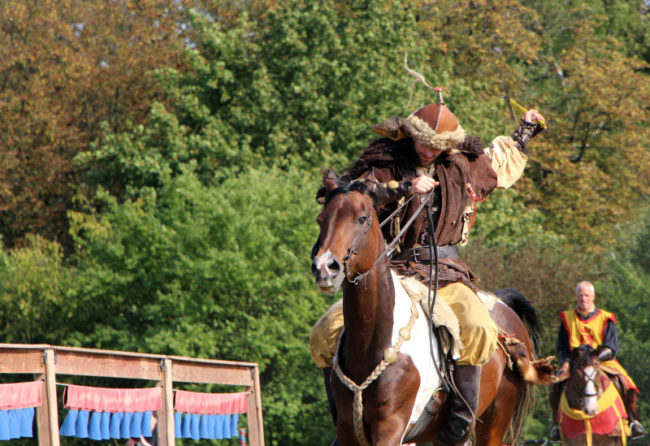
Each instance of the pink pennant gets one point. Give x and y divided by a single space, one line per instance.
21 395
99 399
210 403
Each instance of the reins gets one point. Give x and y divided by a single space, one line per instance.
391 353
389 249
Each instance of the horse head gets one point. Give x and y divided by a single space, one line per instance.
585 384
350 239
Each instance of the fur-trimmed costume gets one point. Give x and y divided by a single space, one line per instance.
466 174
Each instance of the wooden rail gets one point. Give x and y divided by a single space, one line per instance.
47 361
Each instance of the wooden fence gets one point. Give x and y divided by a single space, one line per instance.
46 362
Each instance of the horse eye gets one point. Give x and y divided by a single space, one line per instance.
362 220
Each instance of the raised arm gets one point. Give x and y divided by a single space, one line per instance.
508 153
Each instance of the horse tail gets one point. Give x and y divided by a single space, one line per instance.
526 312
526 400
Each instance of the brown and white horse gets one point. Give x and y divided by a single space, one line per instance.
386 371
591 410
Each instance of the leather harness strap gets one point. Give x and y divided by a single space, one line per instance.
422 254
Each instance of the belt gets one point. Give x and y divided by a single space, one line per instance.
421 254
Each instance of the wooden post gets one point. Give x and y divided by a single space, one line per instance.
50 390
42 414
166 419
254 412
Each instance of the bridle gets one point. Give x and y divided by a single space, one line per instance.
388 250
589 378
351 252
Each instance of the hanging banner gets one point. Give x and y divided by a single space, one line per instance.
98 399
21 395
210 403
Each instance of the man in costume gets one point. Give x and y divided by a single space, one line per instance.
587 324
430 150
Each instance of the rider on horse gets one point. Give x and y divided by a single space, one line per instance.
430 148
589 325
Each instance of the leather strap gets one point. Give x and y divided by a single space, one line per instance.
422 254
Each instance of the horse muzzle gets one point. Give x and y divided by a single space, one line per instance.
328 272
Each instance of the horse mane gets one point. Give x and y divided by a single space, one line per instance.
345 184
581 355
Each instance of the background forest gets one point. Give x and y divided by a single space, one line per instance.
159 161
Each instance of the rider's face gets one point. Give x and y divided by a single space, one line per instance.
426 154
585 299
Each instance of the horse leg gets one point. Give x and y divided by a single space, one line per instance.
494 421
388 434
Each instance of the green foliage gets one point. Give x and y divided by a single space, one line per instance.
625 292
33 292
302 87
214 272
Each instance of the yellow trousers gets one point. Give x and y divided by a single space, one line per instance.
478 332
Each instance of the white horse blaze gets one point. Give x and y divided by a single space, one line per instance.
591 402
331 281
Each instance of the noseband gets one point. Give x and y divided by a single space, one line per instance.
390 248
351 252
592 379
581 392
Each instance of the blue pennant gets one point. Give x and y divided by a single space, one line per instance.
218 428
125 425
187 428
95 427
14 423
146 424
5 432
27 422
136 425
234 431
105 426
195 420
116 421
82 424
178 419
68 428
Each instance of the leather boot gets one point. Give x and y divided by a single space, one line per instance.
629 401
554 395
636 428
460 421
327 373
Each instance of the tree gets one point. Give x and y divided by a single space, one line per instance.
65 67
215 272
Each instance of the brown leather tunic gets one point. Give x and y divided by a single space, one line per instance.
454 172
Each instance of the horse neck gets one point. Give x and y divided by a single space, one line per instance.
368 315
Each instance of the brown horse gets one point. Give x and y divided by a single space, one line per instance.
591 410
387 368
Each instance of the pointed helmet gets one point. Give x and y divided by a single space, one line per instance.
433 125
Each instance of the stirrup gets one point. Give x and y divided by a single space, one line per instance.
636 430
554 436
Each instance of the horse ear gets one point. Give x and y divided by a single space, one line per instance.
370 179
371 175
330 180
